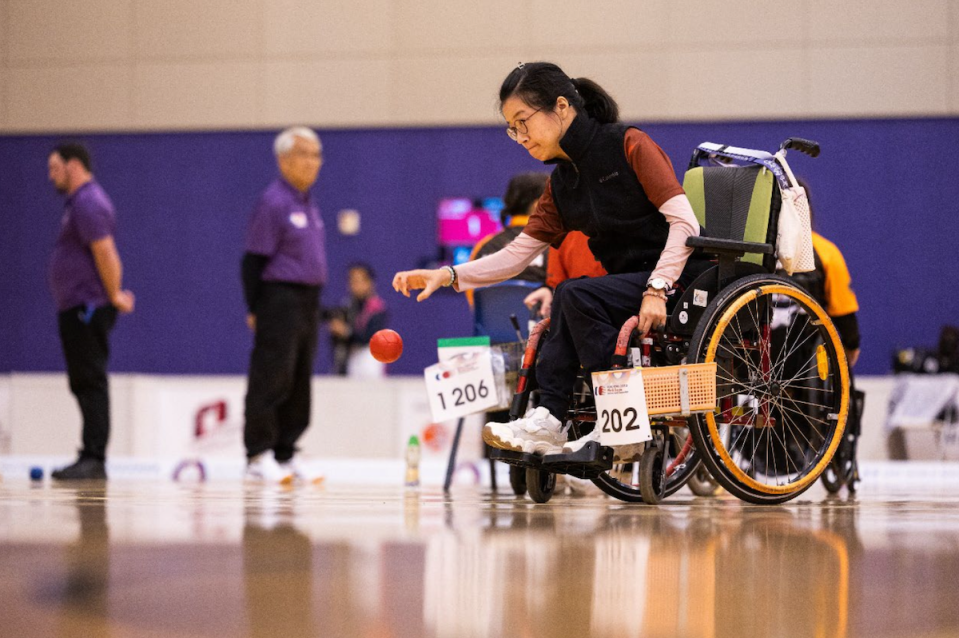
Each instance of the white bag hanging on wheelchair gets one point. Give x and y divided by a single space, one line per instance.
794 235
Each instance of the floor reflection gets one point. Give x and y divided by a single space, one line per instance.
662 574
81 598
278 563
210 562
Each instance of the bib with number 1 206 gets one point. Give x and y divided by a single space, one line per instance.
621 416
460 386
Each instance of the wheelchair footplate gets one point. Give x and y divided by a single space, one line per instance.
519 459
587 463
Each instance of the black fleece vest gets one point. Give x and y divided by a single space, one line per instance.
598 193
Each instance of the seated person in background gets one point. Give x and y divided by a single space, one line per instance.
831 285
572 260
353 325
522 193
949 349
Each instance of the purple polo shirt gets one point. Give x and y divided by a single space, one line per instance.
74 279
286 227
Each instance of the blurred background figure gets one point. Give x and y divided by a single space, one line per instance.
283 270
831 285
352 326
522 192
86 280
572 260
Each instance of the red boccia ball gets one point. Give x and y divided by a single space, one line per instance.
386 346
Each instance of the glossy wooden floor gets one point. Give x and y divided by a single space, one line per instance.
159 559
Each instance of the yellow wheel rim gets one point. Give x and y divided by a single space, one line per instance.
719 445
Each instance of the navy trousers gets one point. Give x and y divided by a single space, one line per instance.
585 320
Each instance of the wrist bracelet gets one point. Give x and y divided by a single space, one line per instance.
452 280
655 293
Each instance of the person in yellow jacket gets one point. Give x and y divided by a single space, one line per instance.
831 285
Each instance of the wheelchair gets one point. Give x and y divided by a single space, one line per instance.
843 470
780 405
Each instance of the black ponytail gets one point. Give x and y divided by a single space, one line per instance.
540 84
599 104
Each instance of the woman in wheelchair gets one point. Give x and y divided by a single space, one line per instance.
772 414
617 186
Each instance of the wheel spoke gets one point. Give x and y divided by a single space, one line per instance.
775 376
810 419
797 402
789 328
792 428
806 366
755 368
797 346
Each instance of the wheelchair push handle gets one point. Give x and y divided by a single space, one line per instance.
698 156
519 333
622 341
808 147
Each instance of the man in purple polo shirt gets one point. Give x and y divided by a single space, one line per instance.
85 277
283 270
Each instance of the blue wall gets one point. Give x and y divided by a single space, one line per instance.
884 191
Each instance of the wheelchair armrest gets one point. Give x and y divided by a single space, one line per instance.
714 245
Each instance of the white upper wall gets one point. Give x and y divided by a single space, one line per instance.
120 65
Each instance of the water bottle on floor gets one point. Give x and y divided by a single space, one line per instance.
413 462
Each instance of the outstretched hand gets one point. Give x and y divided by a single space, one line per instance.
426 280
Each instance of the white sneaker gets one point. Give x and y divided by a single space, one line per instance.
621 453
263 468
301 474
539 432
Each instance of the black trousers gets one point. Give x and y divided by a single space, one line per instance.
281 368
85 337
585 320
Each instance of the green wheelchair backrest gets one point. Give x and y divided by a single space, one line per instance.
733 202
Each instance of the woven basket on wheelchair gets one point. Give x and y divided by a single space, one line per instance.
680 390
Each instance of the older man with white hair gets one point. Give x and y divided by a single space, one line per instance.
284 270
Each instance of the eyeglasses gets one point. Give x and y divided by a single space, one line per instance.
519 127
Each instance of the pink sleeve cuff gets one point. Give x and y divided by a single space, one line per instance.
682 224
501 265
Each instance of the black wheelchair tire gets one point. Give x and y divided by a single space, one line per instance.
630 494
697 353
833 477
842 470
852 476
517 479
540 485
651 479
